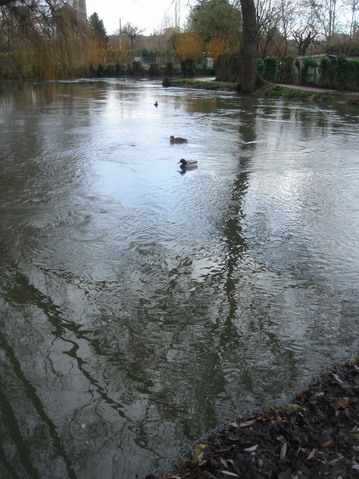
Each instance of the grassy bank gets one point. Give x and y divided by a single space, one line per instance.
275 91
306 93
204 84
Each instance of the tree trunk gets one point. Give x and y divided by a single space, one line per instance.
249 46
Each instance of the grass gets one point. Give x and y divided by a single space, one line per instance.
204 84
273 90
266 89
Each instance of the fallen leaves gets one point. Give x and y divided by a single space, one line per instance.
328 441
198 452
250 449
229 473
283 451
341 403
315 436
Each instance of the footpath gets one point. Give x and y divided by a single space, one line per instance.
275 89
319 90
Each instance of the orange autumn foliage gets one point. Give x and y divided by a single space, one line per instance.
187 46
215 47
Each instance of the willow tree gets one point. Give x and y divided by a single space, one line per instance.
74 44
26 34
44 39
187 47
216 47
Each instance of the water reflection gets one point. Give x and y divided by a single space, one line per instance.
140 307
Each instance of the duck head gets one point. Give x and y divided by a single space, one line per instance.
183 162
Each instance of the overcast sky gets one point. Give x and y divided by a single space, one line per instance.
145 14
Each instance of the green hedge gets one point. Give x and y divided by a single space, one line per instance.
337 72
271 67
308 72
325 69
353 75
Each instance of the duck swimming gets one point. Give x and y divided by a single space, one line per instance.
177 139
188 164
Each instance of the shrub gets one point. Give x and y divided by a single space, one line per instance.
341 71
325 68
308 71
260 67
109 70
287 72
353 76
270 69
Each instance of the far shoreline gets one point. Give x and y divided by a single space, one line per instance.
266 89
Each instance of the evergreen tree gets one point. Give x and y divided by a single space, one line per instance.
98 28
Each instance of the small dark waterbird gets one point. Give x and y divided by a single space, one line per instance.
156 104
177 139
188 164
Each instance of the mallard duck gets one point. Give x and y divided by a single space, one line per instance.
188 164
177 139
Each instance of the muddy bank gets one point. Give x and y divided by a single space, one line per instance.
316 435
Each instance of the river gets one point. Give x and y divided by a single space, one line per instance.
142 306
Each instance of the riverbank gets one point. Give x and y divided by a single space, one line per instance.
316 435
274 90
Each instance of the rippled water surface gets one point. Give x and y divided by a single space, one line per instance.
141 307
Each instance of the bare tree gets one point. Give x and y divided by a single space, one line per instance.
288 16
354 7
270 37
324 15
132 32
304 37
268 15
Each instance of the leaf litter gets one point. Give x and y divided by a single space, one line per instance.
316 436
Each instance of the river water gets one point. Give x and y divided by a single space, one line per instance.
142 307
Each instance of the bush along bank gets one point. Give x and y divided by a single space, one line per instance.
325 71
